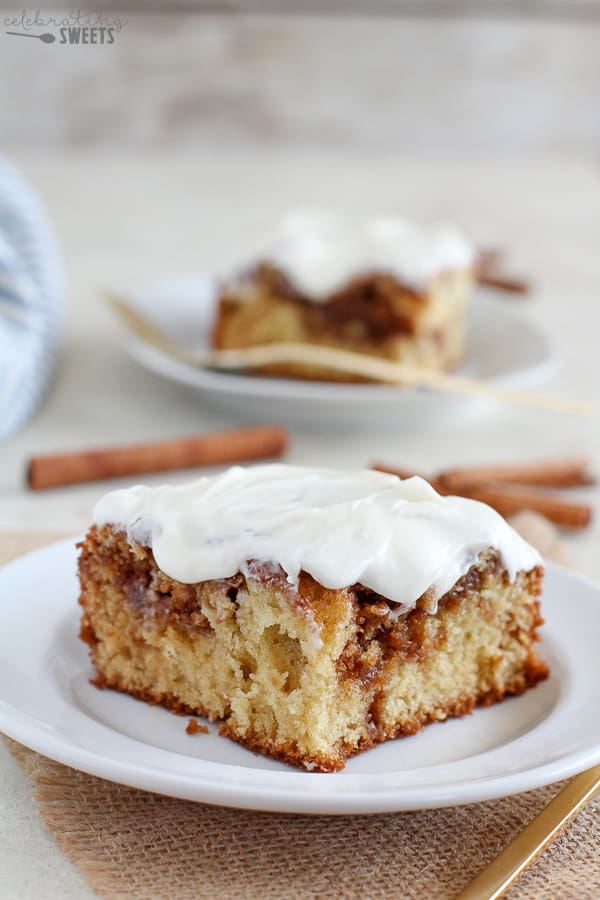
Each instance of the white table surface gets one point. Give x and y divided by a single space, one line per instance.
124 221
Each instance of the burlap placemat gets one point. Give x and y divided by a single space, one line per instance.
129 843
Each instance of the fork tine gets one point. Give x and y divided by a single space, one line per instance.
147 331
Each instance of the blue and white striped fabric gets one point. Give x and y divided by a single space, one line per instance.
31 301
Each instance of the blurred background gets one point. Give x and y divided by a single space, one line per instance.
423 77
165 148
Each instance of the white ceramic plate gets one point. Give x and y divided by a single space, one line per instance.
47 703
503 348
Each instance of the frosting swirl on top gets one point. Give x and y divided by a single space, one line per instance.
320 252
397 538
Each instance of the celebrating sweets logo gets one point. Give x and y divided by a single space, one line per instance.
75 27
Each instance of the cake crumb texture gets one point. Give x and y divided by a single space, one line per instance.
309 675
194 727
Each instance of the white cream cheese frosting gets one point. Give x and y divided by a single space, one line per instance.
320 252
397 538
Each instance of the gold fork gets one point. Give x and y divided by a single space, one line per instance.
370 367
535 837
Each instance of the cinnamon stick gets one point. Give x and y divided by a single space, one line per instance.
509 283
489 273
488 258
569 472
508 500
240 444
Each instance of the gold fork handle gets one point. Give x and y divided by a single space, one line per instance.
527 846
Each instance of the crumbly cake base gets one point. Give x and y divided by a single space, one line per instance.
374 315
310 676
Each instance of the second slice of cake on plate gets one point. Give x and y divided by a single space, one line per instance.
383 286
313 612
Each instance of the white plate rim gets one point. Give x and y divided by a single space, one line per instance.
284 791
544 368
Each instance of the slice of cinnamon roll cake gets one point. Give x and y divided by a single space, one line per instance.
313 613
382 286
